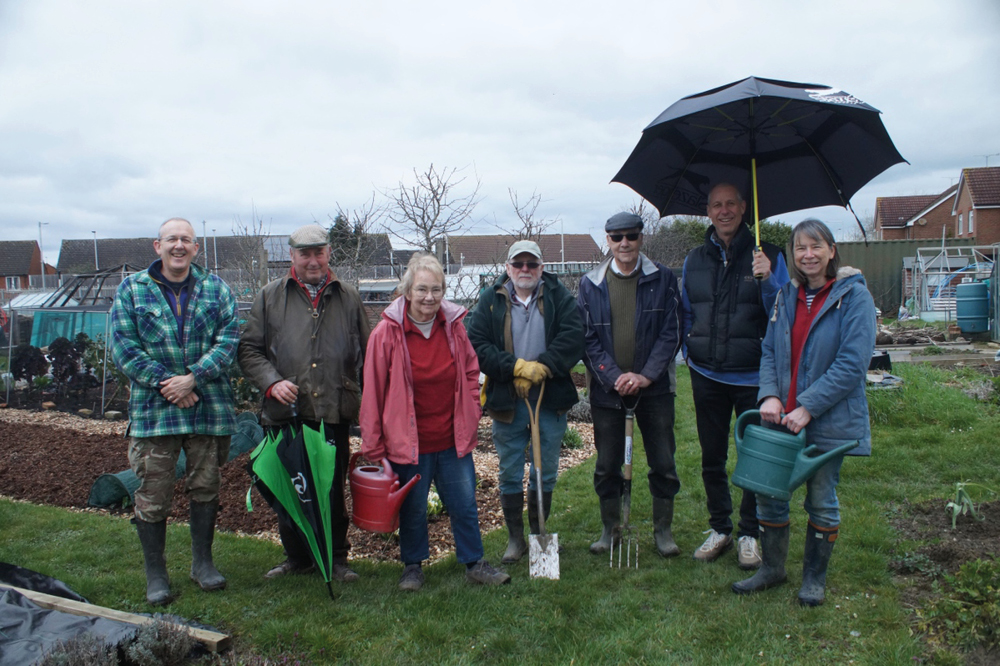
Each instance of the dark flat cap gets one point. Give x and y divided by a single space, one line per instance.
620 221
311 235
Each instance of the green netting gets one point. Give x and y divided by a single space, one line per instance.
49 325
114 489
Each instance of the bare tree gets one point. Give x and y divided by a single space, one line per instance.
247 267
432 208
854 232
531 225
357 237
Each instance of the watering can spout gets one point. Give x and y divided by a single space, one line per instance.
807 464
396 493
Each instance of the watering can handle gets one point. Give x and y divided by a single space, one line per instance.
355 457
741 425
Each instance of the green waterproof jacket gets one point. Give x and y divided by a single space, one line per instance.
320 349
146 346
489 329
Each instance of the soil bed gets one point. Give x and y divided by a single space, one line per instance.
53 458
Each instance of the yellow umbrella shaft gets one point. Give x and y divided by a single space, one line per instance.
756 218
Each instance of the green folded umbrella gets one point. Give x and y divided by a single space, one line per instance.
293 469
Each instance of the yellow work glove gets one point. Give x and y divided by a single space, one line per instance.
533 371
522 387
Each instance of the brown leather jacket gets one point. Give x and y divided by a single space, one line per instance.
321 350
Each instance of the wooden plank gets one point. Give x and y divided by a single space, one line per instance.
214 641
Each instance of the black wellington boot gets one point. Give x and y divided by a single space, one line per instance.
153 537
663 517
611 518
513 507
819 547
203 570
773 553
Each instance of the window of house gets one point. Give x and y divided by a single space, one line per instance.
972 225
13 282
961 229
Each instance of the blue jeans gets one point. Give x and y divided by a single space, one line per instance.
455 480
511 441
654 416
821 499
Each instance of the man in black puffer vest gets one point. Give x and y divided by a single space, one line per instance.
725 317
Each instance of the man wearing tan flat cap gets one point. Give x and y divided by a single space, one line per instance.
303 347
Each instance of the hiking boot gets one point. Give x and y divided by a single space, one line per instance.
203 570
715 545
748 553
412 578
611 518
774 552
153 537
342 572
513 515
819 547
663 517
481 573
289 567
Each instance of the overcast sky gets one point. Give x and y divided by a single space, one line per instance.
117 115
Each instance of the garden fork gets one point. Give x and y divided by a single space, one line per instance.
627 541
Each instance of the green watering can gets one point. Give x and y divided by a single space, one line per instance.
774 463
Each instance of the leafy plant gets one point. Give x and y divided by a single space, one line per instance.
42 382
160 643
963 504
435 507
28 362
65 362
965 611
571 439
81 650
932 350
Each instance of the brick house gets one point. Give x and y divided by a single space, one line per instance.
20 266
976 208
892 214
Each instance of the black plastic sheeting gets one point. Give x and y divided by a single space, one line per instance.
28 631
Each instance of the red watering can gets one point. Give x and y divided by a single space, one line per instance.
376 496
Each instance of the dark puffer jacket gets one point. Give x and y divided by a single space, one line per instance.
728 319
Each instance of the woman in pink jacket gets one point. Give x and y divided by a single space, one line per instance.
420 409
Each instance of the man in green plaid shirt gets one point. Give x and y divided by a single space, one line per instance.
174 331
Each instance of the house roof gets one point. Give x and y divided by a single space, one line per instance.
76 256
893 212
492 250
983 184
15 257
941 199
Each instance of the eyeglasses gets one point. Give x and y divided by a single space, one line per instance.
617 238
184 240
422 292
532 265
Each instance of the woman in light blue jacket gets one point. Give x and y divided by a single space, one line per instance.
816 353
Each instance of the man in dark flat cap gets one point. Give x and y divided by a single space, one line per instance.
303 347
631 316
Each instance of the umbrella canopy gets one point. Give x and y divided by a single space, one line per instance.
811 145
293 470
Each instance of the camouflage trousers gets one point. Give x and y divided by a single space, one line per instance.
154 461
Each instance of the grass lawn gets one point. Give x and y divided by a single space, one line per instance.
927 436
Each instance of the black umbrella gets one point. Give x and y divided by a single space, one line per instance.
792 145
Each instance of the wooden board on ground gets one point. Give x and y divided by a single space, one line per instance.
212 640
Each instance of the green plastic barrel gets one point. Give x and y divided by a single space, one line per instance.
972 307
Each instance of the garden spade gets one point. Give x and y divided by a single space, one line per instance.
627 543
543 548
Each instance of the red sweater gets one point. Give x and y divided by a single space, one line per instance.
804 316
434 378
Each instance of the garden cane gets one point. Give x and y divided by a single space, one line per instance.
543 548
627 540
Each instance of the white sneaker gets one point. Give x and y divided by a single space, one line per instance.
716 544
748 552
